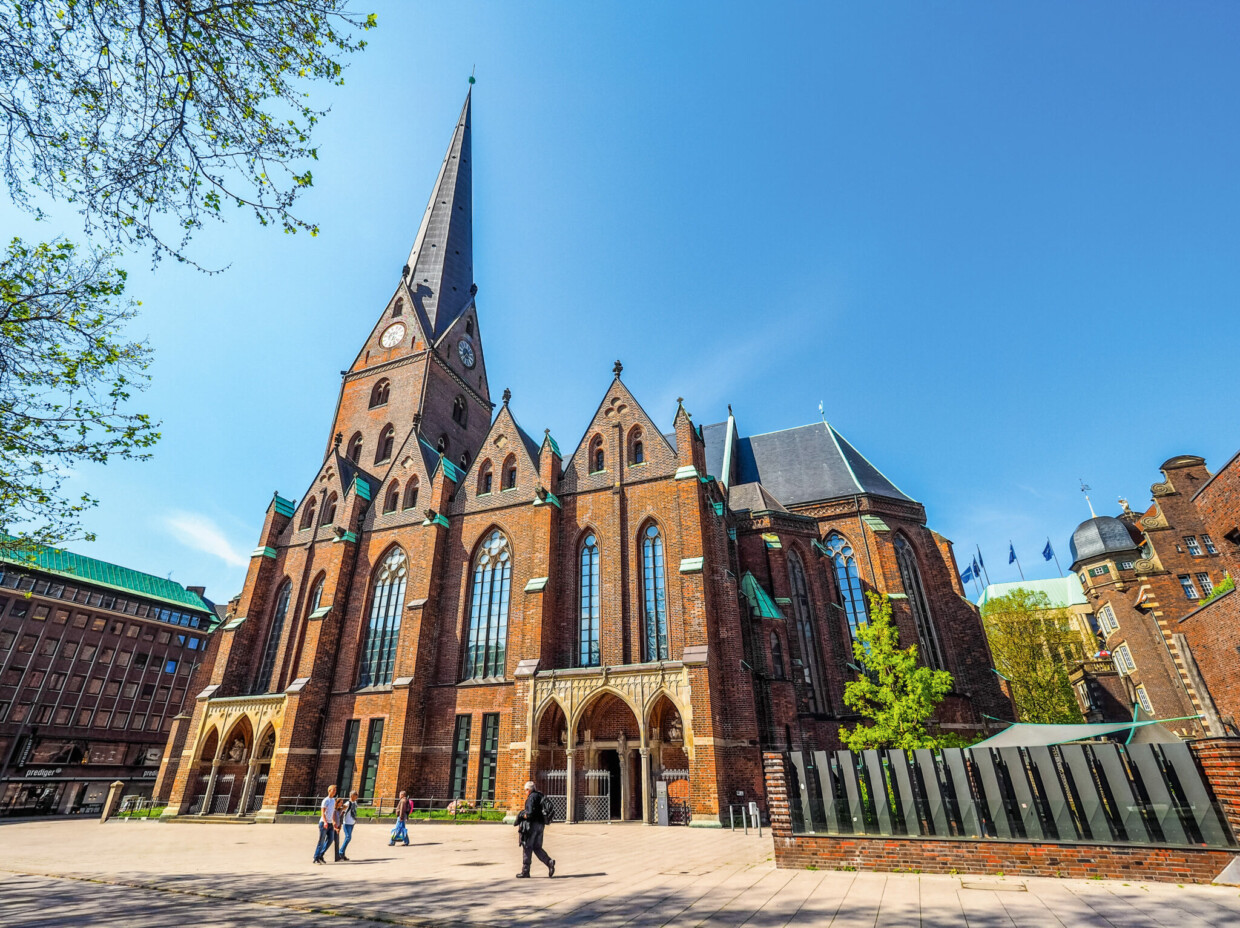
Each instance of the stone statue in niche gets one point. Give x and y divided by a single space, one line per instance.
236 751
675 730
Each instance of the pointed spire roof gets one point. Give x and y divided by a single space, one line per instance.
441 263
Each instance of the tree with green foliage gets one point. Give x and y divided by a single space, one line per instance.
1034 644
895 692
147 117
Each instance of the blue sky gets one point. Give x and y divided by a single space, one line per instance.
998 242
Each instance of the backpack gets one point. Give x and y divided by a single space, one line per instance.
548 810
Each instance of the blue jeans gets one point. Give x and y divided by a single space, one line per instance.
348 836
325 840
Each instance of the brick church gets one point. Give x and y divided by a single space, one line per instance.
456 605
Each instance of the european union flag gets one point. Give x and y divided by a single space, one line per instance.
967 575
977 571
1011 553
1048 552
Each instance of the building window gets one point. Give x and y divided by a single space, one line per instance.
1144 699
655 599
1126 565
392 500
383 629
510 473
266 676
910 574
488 613
1207 586
355 448
588 612
1100 571
460 412
1209 543
489 761
485 477
1190 542
460 756
807 632
370 766
379 395
469 327
463 460
637 450
397 308
1123 660
411 493
329 510
1082 692
387 440
838 549
1106 619
316 599
348 757
777 657
597 458
1190 591
307 516
442 445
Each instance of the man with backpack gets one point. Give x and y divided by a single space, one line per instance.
531 821
401 831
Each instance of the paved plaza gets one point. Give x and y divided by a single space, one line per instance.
75 872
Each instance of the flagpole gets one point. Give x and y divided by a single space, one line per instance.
1057 562
1012 548
981 560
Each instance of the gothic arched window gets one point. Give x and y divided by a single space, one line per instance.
910 575
383 629
355 447
411 493
307 516
654 600
588 611
485 478
464 460
460 412
838 549
598 459
392 499
488 609
510 472
637 449
265 681
807 636
399 307
316 597
387 440
469 327
442 445
329 510
777 657
379 395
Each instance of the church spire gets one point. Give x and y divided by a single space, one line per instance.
441 264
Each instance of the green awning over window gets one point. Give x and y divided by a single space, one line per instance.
759 600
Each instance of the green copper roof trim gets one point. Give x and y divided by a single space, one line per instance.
347 536
897 595
554 446
284 507
263 551
234 624
536 585
440 519
718 508
783 600
361 487
101 573
320 612
551 498
732 534
688 472
707 479
876 524
759 600
772 541
691 565
452 472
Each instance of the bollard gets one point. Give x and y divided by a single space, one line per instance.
113 800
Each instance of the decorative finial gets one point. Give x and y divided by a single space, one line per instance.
680 401
471 75
616 369
1085 488
337 440
507 395
404 272
729 409
417 420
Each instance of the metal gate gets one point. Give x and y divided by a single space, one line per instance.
260 788
554 785
594 796
222 799
200 793
678 809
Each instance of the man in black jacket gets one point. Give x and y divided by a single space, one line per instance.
530 825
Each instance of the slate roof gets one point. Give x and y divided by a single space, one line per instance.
715 437
807 464
752 497
441 263
1100 535
101 573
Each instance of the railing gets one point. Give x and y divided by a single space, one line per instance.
554 785
748 814
594 796
1099 792
384 807
134 808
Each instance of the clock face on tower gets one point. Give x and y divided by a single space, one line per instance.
466 350
391 338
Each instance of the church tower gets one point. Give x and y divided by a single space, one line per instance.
420 372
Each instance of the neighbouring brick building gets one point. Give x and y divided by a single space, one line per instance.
1146 575
95 662
455 606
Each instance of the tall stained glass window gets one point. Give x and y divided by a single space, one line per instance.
383 629
910 575
588 652
655 599
488 609
266 670
807 636
838 549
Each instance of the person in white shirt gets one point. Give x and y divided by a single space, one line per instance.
327 825
348 818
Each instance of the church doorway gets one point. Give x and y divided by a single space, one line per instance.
609 760
607 739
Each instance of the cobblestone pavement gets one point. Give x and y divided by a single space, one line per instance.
75 872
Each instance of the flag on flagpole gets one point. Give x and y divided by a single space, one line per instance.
1048 552
967 575
977 571
979 558
1011 553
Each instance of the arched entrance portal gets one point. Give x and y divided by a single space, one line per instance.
669 760
200 779
550 767
606 764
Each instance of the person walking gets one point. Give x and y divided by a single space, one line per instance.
402 821
346 812
327 825
531 822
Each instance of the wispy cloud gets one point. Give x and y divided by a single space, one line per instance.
194 530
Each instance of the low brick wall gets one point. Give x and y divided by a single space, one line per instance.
989 856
